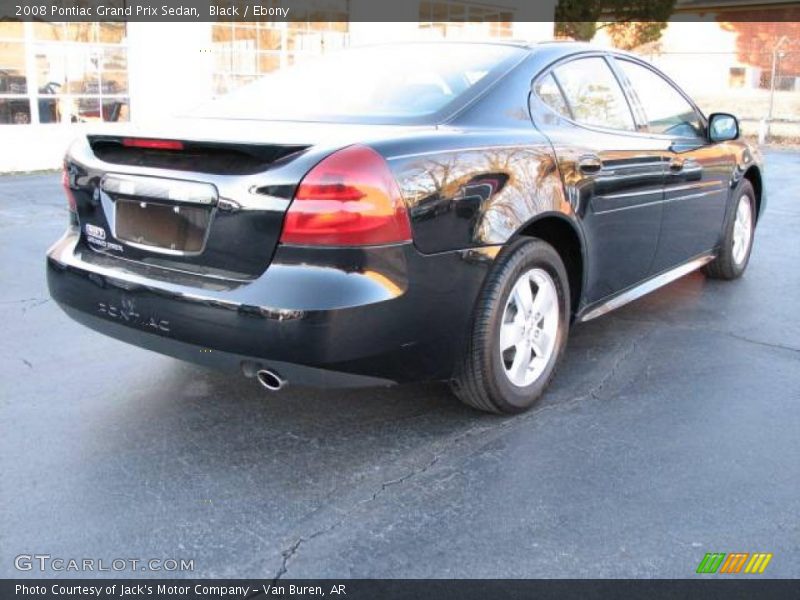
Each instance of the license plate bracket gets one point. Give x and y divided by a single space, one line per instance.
169 228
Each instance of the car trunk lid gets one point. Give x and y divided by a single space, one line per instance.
210 204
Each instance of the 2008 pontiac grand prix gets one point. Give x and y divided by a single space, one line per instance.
405 212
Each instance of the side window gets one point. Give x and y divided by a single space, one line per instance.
547 90
667 111
593 94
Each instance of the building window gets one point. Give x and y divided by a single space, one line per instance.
452 19
63 72
81 71
783 83
242 52
15 105
736 77
786 83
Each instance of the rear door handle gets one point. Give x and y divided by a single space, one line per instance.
590 164
676 165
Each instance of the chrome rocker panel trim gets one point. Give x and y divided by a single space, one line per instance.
648 286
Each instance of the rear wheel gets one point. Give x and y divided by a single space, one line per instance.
519 331
737 243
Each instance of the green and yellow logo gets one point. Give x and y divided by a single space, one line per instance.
719 562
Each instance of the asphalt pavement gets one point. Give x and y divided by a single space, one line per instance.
671 430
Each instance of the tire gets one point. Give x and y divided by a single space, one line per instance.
732 259
488 378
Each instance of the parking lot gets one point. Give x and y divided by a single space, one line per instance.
671 430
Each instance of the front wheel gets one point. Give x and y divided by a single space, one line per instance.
737 242
519 331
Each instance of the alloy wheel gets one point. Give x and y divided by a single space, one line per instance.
529 327
742 229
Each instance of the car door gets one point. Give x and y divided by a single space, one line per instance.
698 173
613 175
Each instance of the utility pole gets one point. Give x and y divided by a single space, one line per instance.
775 53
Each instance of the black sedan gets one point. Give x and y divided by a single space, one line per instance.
405 212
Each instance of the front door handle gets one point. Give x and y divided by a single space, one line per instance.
590 164
688 169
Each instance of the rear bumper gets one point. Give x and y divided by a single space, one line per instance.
325 317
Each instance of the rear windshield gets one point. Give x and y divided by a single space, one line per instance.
378 84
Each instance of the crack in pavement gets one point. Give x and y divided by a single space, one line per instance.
623 356
498 429
757 342
624 352
290 552
736 336
20 301
404 478
27 303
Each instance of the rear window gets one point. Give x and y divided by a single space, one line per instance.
392 83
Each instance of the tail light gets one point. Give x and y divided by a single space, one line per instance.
73 207
348 199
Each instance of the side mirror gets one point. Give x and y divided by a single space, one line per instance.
722 127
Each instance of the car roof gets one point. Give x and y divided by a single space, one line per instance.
553 48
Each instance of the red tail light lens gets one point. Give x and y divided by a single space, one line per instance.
73 207
152 144
348 199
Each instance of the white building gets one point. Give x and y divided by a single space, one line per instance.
57 79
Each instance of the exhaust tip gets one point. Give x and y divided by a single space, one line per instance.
270 380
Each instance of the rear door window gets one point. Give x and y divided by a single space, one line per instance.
547 90
593 94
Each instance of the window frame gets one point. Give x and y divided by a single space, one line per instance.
641 110
634 104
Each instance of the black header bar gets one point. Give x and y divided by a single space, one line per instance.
392 10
